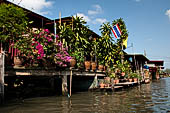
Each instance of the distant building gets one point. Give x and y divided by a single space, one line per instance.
137 61
155 67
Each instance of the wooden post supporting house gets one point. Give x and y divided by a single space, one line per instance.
64 85
71 74
2 58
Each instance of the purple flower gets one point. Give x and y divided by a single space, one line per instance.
57 36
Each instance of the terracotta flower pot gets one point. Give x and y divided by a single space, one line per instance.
123 74
135 79
117 81
114 81
102 85
130 79
17 61
87 65
100 67
72 62
93 66
107 79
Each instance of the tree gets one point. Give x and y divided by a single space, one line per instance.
108 48
123 37
13 22
124 31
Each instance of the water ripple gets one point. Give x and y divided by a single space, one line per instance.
146 98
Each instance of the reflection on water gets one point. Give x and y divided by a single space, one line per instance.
147 98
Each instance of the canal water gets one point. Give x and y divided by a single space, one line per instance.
146 98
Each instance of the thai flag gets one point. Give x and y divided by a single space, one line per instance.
116 31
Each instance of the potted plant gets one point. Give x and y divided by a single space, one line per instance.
113 75
101 84
72 62
101 65
135 79
93 66
134 76
130 77
87 65
79 57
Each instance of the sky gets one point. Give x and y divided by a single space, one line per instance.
147 21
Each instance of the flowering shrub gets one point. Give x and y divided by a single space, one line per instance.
62 58
39 46
42 43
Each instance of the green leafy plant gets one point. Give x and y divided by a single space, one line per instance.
109 50
124 32
76 35
13 22
105 46
133 75
125 67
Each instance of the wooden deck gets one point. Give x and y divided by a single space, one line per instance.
52 72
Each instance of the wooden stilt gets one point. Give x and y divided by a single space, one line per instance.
71 74
64 85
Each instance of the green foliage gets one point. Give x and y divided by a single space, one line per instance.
106 49
113 75
125 67
76 36
133 75
124 31
13 22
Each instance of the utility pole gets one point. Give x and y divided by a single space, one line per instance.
55 31
122 56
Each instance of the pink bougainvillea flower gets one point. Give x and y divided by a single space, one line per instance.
46 30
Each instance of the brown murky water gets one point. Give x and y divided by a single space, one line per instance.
146 98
